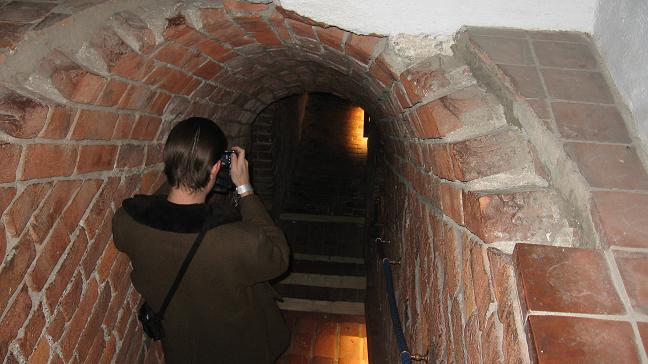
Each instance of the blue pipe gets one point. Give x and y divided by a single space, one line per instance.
396 322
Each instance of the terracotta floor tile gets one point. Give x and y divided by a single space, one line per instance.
577 86
566 280
326 346
302 343
321 360
525 79
622 218
351 347
327 327
590 122
558 36
565 55
609 165
506 50
643 331
634 271
352 361
582 340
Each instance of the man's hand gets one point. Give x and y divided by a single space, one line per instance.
239 167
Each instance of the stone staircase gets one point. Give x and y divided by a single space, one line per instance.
327 272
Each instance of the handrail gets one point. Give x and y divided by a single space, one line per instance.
405 355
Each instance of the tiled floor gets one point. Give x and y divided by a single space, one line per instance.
325 339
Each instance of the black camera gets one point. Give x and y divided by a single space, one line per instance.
224 184
151 322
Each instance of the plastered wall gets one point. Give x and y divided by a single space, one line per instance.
621 33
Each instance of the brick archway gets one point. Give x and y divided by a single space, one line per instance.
86 100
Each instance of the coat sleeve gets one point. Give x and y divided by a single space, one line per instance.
269 256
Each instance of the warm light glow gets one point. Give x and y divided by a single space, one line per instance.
356 140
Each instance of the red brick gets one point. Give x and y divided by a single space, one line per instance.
154 154
301 29
94 158
14 319
109 351
124 128
580 340
216 23
381 71
491 341
137 97
130 156
113 92
6 196
94 322
79 320
11 34
423 79
158 104
79 205
472 340
106 261
101 235
20 116
24 207
175 81
331 36
457 332
565 280
96 216
489 155
14 268
32 332
208 71
267 38
214 50
634 271
51 210
70 302
48 160
173 54
235 5
191 86
451 202
157 75
56 325
131 66
3 243
52 251
146 128
42 352
609 166
150 181
78 85
59 123
10 156
361 47
93 124
66 272
96 348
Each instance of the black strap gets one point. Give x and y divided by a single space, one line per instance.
183 270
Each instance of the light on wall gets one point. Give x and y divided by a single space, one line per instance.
356 139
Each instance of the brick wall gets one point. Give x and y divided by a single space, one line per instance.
82 122
329 167
88 97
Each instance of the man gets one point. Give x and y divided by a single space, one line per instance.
224 309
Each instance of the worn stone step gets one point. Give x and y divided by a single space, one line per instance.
320 293
341 308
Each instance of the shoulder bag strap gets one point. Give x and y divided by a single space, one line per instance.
183 270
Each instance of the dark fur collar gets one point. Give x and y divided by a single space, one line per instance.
156 212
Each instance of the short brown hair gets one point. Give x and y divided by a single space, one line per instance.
193 147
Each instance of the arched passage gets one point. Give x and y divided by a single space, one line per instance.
88 96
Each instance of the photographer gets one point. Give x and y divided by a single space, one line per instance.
224 309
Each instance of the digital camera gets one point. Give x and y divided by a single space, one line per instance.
224 184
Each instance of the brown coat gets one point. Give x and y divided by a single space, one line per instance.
224 310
